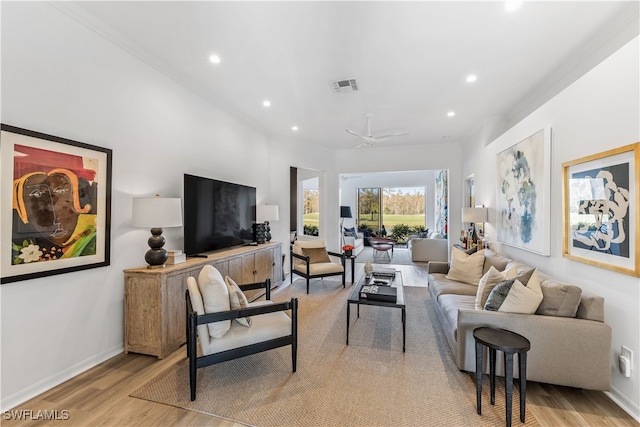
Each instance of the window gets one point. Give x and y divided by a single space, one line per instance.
392 211
311 206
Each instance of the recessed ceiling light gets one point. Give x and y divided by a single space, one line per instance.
266 103
451 114
294 128
471 78
214 59
512 6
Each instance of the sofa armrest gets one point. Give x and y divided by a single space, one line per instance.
568 351
437 267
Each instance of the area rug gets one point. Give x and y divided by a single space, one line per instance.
401 256
370 382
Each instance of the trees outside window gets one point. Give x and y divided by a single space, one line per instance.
385 208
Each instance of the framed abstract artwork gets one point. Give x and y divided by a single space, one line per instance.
523 194
55 203
601 204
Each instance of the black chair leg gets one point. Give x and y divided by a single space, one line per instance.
307 284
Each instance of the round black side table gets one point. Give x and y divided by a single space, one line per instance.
509 343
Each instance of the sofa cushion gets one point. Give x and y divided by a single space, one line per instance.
316 255
516 296
440 285
559 299
488 281
466 268
450 304
237 300
215 296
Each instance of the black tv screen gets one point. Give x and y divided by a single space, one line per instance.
217 214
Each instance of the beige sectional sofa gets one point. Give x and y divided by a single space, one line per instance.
566 348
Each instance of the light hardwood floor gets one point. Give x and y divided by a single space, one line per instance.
100 397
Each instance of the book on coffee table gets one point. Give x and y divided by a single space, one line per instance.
384 272
379 293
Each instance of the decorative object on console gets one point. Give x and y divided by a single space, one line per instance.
523 194
345 212
259 233
176 256
56 201
601 218
474 216
156 212
266 213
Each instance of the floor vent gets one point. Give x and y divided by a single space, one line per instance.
344 86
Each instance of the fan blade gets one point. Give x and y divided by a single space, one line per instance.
383 137
356 134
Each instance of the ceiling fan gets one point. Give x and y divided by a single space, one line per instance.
369 139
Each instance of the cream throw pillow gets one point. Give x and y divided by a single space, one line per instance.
490 279
466 268
215 296
238 300
521 299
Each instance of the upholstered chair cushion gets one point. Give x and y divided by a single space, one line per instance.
215 296
299 245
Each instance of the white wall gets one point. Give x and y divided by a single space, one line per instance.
60 78
600 111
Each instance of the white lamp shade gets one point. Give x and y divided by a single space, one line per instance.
156 212
267 213
474 214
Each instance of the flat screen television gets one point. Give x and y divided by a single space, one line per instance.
217 214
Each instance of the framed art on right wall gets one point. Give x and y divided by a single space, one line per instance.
601 203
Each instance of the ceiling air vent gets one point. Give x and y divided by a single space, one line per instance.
344 86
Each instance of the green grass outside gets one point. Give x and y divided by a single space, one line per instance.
412 220
312 218
389 220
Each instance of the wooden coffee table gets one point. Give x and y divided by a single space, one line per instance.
354 298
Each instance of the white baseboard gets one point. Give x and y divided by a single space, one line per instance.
9 402
622 401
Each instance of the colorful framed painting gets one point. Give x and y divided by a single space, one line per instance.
55 203
523 194
601 204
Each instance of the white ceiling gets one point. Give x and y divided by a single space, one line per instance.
409 58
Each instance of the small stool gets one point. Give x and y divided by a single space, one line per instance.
509 343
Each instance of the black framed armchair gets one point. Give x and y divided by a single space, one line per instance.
270 328
310 259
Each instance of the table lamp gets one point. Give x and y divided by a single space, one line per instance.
474 216
345 212
156 213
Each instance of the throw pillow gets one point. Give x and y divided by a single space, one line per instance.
215 296
351 232
198 306
490 279
466 268
519 295
237 300
316 255
559 299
